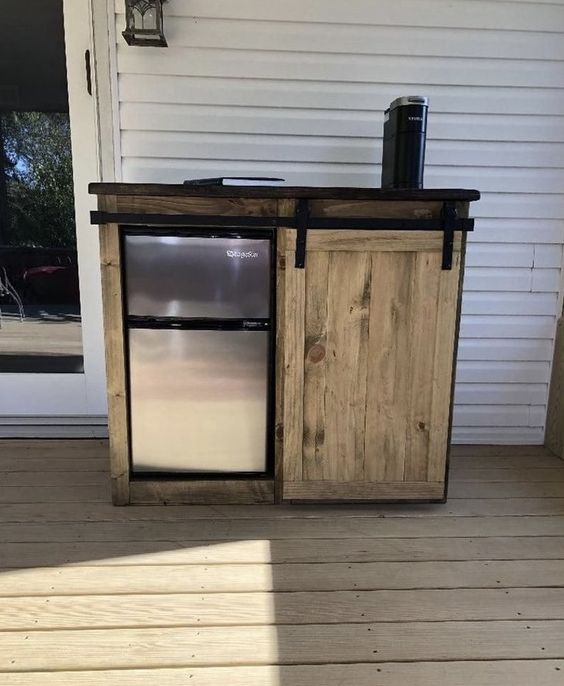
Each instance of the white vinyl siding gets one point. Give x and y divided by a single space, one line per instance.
298 89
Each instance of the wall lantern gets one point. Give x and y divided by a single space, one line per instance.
144 23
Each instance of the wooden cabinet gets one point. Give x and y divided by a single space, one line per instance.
368 288
369 334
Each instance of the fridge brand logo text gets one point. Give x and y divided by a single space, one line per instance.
237 254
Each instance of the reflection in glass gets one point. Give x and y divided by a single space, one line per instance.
39 296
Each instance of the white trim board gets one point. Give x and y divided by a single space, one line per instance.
54 427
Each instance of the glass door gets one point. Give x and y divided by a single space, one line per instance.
51 352
39 291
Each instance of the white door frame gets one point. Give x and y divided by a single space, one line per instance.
72 400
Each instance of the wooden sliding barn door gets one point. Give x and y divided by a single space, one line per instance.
369 329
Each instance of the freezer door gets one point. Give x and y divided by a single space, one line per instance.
198 400
187 276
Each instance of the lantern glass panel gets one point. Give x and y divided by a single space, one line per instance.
144 23
149 20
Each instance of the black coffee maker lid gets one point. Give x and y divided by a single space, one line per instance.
421 100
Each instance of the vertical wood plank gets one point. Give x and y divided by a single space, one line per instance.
285 208
279 365
388 349
315 364
115 357
347 350
294 309
419 364
443 370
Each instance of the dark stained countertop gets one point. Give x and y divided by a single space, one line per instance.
310 192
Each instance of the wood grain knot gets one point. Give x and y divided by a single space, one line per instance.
316 353
421 426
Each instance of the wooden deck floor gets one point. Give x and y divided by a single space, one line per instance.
470 593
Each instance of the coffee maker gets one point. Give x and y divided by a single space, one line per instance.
405 133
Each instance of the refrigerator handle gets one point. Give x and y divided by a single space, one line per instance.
255 325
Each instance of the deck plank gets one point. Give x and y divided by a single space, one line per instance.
291 551
45 463
103 512
502 489
238 609
55 494
47 448
276 529
492 475
282 644
487 451
224 578
48 478
100 494
483 673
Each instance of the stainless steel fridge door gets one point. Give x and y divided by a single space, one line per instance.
198 400
186 276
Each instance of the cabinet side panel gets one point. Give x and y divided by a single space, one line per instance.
115 359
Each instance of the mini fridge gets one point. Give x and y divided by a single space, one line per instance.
200 351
